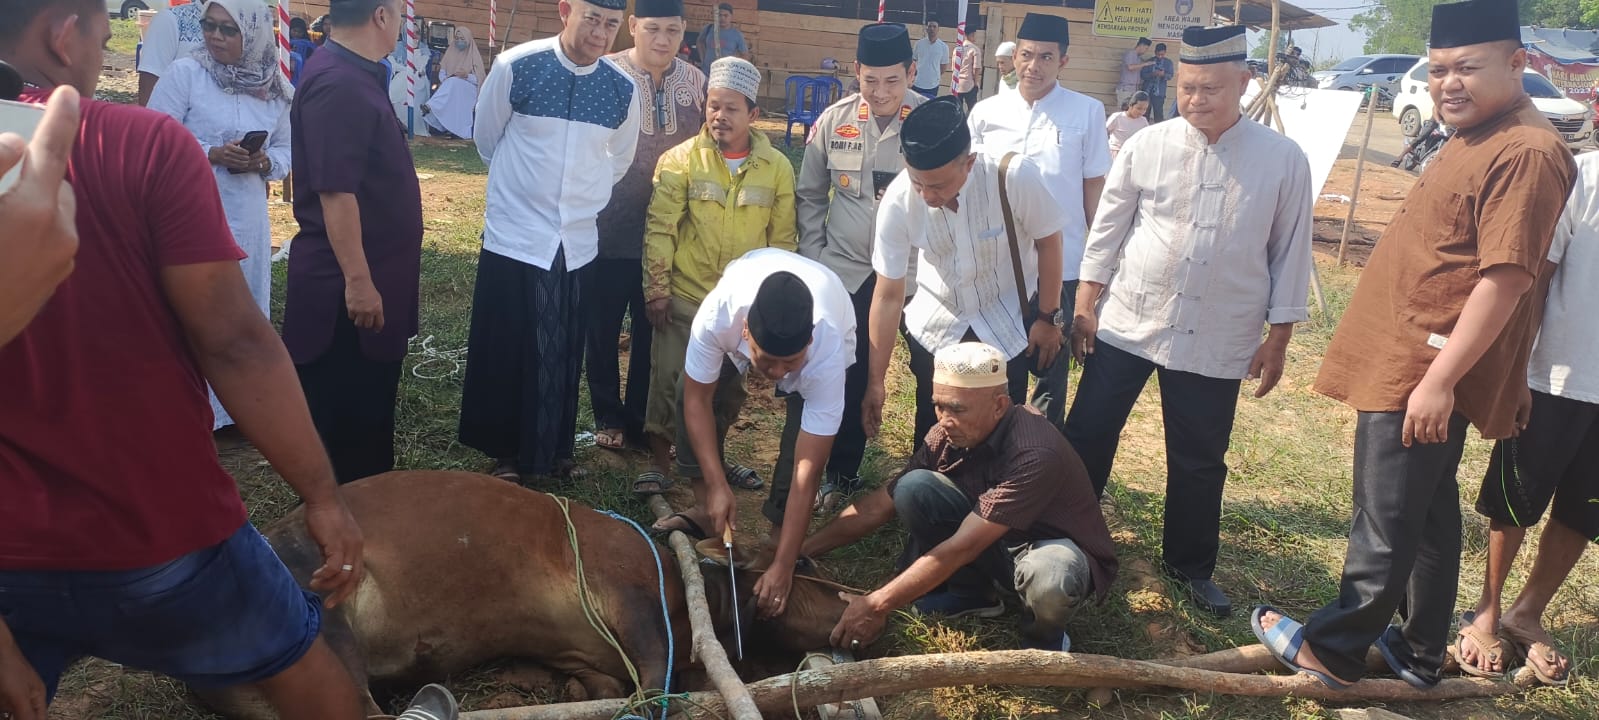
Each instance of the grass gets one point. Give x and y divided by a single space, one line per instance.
1284 525
124 36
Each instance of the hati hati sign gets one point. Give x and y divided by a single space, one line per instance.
1156 19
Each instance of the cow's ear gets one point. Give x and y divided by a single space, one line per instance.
713 550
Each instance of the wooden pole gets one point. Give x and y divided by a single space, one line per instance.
862 709
1360 168
1024 668
1276 20
732 693
1238 12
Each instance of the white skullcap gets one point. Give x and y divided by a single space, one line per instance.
969 365
1005 49
735 73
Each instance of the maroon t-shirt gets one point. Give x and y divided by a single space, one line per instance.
346 139
106 457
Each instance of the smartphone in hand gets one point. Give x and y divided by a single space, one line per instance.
21 119
252 143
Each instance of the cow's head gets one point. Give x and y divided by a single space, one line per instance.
813 603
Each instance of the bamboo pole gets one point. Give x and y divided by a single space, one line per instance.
1360 168
1276 21
1238 12
732 693
1023 668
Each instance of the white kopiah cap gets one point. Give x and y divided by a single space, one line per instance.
1005 49
735 73
969 365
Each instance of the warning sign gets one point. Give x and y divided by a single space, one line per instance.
1123 18
1155 19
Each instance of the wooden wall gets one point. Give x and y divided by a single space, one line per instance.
788 44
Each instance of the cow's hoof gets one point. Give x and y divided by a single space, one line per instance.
432 702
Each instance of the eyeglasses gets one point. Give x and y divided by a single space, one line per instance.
229 31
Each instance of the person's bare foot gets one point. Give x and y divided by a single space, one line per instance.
1306 657
693 521
1525 632
1487 658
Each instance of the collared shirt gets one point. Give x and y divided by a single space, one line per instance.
1129 78
670 114
1491 197
556 137
1200 244
849 162
1064 132
1565 357
964 276
346 139
1156 86
1026 477
718 332
173 33
931 57
703 216
734 44
970 66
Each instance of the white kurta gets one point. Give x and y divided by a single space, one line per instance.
189 94
1201 245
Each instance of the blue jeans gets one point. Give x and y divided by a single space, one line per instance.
230 614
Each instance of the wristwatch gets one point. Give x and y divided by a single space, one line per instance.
1056 318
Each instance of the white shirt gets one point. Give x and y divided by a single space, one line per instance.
931 57
964 276
1120 127
1064 132
1565 357
718 332
173 33
549 131
1201 245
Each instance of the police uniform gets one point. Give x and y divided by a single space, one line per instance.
848 154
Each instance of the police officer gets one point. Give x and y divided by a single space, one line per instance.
853 150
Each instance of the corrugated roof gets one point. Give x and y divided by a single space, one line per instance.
1564 45
1257 14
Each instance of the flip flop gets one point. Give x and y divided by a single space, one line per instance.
610 439
1284 640
1493 651
1399 667
1531 649
662 483
693 530
743 478
507 472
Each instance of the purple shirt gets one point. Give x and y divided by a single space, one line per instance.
346 139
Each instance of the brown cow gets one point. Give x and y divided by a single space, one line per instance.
463 569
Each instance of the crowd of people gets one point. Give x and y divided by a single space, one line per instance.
1001 241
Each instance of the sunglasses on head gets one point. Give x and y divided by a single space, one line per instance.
207 26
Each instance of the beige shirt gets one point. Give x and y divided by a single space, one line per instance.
849 162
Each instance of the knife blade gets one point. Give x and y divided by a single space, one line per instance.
732 580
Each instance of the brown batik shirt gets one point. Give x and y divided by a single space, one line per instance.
1492 197
1026 477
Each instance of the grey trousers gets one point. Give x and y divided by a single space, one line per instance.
1052 577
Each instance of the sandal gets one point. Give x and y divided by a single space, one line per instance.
651 477
1403 670
610 439
1284 641
834 494
1493 651
743 478
1536 652
690 528
506 470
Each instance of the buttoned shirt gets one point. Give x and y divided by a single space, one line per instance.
964 275
1565 357
1064 133
849 163
556 136
718 332
1200 244
1490 198
970 67
932 55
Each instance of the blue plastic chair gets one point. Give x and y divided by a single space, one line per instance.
826 91
797 90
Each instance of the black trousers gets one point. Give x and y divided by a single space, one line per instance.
922 369
1404 550
615 290
849 446
1157 109
352 404
1050 393
1198 416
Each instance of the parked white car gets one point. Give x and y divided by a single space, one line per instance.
128 9
1572 119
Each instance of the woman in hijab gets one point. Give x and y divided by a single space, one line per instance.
460 72
228 94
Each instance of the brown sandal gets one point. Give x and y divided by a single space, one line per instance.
1489 647
1535 651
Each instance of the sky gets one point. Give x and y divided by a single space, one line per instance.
1332 42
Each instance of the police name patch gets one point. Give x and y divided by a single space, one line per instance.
838 145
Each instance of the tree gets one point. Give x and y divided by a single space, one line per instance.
1403 26
1261 47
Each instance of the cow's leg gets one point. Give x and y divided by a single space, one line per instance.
600 686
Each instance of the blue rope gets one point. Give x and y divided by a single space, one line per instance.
666 615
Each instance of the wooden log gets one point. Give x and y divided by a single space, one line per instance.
1360 169
862 709
1022 668
733 693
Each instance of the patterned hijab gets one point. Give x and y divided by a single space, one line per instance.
256 73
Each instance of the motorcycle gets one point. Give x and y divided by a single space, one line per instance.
1425 147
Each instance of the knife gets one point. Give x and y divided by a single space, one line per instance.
732 579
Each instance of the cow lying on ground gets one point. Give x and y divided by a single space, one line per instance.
463 569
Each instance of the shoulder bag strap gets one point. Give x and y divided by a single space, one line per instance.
1010 233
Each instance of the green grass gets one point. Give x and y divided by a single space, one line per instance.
124 36
1284 525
